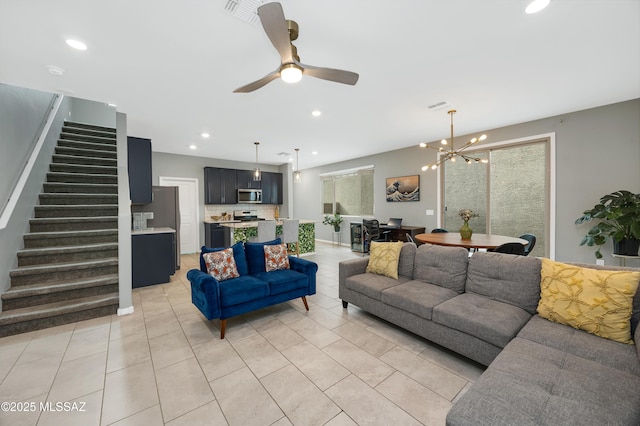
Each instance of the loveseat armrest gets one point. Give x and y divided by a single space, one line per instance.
348 268
205 293
306 267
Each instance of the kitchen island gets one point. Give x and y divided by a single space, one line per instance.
241 231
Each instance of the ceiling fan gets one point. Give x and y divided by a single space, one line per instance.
282 32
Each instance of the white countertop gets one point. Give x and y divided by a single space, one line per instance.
160 230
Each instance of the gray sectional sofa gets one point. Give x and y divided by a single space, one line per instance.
484 307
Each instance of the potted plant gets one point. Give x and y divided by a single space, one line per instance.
334 220
618 214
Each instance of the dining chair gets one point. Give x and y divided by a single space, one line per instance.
510 248
436 230
266 231
290 235
532 242
409 238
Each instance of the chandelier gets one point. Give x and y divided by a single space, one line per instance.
449 152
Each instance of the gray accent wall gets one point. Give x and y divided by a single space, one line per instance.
597 152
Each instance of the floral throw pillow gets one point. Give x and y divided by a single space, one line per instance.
276 258
221 264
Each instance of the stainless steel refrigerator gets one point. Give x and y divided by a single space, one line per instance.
166 212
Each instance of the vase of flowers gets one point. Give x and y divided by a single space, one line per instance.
466 215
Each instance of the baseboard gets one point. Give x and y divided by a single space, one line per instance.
125 311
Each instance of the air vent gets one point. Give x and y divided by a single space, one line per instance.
284 154
440 105
244 9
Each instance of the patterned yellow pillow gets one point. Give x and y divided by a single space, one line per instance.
597 301
383 258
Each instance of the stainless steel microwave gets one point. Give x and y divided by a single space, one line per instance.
250 196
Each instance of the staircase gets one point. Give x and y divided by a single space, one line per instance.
68 269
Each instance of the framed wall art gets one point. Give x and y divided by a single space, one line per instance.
404 188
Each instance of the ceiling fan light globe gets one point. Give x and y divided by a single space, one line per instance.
291 73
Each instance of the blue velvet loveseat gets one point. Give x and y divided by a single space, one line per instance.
254 288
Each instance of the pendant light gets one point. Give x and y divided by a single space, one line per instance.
296 175
257 174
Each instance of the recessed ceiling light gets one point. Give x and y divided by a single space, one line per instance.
192 147
112 105
316 113
205 135
315 153
76 44
55 70
536 6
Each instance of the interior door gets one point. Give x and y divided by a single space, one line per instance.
188 201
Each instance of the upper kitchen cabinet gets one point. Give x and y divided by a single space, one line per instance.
244 180
220 186
271 188
139 165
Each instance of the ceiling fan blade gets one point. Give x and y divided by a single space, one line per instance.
259 83
339 76
274 24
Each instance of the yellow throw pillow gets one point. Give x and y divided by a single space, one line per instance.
594 300
383 258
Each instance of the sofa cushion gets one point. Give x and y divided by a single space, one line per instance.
282 281
238 255
383 258
443 266
532 384
276 257
597 301
580 343
220 264
255 255
242 289
372 285
487 319
417 297
507 278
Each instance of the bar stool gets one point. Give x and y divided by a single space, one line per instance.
266 231
290 234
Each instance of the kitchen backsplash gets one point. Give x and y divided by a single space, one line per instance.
266 211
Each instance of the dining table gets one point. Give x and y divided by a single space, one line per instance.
477 241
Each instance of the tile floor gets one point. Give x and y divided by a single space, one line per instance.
166 365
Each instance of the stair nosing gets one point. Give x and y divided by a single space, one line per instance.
52 234
27 252
62 266
56 308
28 290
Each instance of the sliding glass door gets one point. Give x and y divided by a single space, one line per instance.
510 192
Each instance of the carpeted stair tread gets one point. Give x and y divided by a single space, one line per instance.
45 220
82 178
74 198
88 138
85 161
89 126
84 169
62 224
80 188
54 210
57 308
59 234
41 289
43 251
87 145
78 130
82 152
67 266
